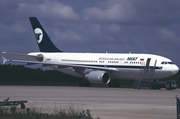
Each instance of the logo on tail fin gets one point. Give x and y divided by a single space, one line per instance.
39 34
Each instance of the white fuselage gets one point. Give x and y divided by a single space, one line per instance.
128 65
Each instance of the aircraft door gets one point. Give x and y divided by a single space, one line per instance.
153 63
148 62
57 58
105 63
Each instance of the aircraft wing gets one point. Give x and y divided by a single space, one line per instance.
39 57
61 65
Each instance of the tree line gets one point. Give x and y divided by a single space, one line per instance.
21 75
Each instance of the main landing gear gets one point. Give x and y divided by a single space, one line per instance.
114 84
84 83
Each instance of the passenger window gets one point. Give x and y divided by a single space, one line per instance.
162 62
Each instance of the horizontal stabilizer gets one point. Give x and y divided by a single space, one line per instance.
4 60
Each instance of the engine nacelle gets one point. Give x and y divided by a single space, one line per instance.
98 77
40 57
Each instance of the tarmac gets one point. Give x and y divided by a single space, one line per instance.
103 102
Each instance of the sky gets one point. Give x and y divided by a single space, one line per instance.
95 26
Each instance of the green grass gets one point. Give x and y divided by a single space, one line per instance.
70 113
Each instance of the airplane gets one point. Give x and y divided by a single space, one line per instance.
95 68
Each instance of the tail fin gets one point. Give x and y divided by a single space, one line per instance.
43 40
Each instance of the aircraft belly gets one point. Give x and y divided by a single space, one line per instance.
127 74
124 74
131 74
159 74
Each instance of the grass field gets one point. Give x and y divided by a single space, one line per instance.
70 113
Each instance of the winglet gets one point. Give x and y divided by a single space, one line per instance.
4 60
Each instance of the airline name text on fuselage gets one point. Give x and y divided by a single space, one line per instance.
107 58
132 58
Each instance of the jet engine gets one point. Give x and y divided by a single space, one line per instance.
98 77
37 56
40 57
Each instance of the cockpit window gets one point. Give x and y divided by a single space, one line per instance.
164 62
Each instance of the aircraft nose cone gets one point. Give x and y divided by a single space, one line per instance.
175 69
